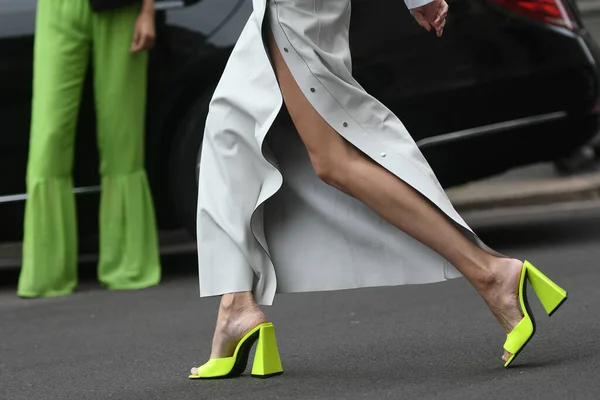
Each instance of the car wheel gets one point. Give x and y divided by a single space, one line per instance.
184 163
580 161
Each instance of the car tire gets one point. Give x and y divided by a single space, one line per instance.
581 161
184 163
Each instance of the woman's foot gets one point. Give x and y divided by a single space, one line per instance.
501 293
238 314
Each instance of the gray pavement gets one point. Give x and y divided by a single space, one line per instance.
589 7
592 21
525 192
414 342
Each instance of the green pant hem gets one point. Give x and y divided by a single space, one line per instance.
129 286
37 295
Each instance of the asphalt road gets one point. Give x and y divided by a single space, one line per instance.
414 342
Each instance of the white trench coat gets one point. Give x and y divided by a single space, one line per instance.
266 223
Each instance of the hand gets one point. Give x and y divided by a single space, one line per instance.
144 33
432 15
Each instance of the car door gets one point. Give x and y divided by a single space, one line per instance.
412 71
17 30
17 24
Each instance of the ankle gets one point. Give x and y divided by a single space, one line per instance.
498 272
489 274
487 280
235 304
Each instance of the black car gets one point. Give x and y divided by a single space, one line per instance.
511 82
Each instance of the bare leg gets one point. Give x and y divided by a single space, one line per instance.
344 167
341 165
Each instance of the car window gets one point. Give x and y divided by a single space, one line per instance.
222 19
17 17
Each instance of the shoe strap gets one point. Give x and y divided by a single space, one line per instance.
516 339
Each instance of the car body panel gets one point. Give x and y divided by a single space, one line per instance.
495 92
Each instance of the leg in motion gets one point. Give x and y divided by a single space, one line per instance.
341 165
50 241
129 257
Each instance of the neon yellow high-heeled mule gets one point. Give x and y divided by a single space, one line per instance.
551 296
267 362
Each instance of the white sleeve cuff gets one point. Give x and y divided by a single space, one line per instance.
416 3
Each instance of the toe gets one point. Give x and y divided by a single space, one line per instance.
506 356
194 371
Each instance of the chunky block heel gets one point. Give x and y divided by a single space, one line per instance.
267 362
550 294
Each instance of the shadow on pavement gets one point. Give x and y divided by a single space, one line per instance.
174 267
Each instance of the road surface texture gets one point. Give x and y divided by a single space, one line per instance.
433 341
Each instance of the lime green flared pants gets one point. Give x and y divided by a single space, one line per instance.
67 33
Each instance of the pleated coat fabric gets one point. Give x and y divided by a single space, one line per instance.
266 223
